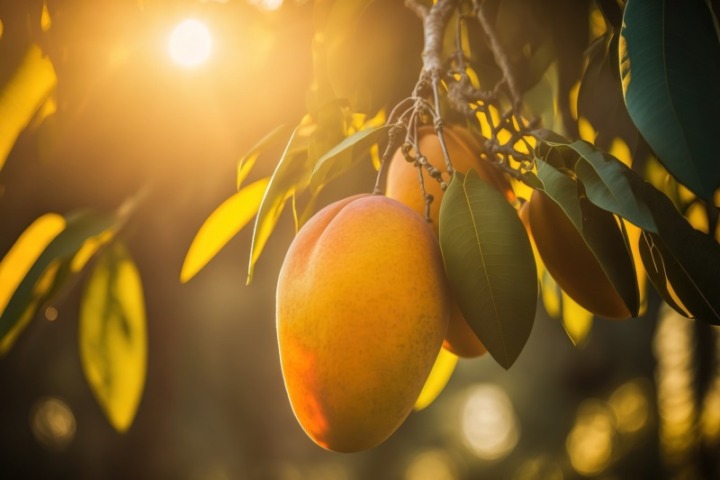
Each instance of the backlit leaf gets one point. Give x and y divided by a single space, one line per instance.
113 337
345 154
60 249
490 265
440 374
606 185
21 95
576 320
670 70
248 160
689 258
17 263
291 176
222 225
598 229
654 265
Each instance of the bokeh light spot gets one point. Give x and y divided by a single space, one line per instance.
190 43
489 425
53 423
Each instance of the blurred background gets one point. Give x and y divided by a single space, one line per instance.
136 109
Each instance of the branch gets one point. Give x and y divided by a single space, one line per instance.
500 57
434 23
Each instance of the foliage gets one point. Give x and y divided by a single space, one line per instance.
617 113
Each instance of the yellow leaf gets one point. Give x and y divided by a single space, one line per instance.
440 374
576 320
22 95
22 255
223 224
620 150
113 336
550 294
634 233
90 248
587 132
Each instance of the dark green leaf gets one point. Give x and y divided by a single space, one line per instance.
345 154
563 190
652 258
690 258
670 70
600 99
606 185
490 265
598 229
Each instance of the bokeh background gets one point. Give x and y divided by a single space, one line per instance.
637 399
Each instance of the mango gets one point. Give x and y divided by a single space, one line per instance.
362 309
569 260
403 184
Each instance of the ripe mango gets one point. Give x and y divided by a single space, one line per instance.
362 309
403 185
568 258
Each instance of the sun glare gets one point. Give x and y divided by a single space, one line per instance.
190 43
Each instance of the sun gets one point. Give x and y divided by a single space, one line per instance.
190 43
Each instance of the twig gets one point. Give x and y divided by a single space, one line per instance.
501 58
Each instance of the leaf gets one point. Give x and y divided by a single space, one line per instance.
606 185
576 320
490 265
440 374
345 154
248 160
21 96
654 265
291 176
113 337
599 231
63 247
563 190
690 258
17 263
670 70
222 225
600 98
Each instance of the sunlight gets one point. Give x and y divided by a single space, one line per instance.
52 423
489 425
190 43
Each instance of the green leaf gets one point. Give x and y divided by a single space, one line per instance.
63 247
291 176
689 258
599 231
670 69
606 185
21 95
113 336
222 225
563 190
652 258
490 265
345 154
247 162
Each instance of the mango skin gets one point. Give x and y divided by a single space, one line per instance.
362 309
403 185
568 258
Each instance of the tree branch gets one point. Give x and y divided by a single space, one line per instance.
501 58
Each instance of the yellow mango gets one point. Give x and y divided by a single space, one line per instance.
362 309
